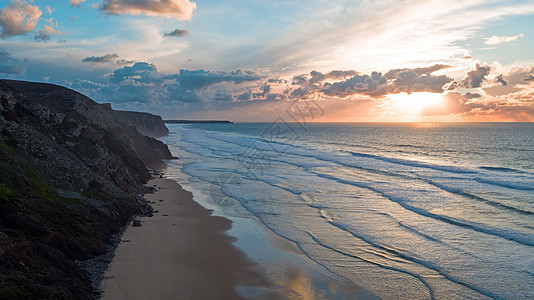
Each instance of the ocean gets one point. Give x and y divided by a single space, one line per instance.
404 210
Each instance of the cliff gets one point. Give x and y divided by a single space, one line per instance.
145 123
71 173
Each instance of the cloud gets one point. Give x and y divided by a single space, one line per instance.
475 77
41 36
223 95
411 81
199 78
472 95
18 18
145 83
179 9
144 86
104 59
177 33
49 10
336 74
501 80
124 62
10 65
44 34
245 96
516 78
373 85
111 58
419 71
141 72
376 85
495 40
76 2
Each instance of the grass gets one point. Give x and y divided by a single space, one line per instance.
5 193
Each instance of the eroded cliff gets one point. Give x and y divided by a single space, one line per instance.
71 175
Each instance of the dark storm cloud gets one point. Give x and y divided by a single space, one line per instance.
177 33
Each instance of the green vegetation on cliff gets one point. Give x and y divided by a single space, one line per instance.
68 183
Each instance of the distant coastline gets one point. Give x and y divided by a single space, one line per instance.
197 122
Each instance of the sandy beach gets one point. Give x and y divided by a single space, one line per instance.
181 252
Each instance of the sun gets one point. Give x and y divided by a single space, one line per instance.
415 104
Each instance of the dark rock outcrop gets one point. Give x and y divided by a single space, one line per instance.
71 175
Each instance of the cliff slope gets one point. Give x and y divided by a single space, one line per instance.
70 177
145 123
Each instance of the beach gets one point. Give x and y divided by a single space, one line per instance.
396 216
184 251
180 252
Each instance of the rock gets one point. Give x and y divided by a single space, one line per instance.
71 172
137 223
145 123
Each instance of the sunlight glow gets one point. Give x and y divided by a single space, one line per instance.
415 104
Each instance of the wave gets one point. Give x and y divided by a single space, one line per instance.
301 159
523 186
417 276
412 163
522 238
481 199
422 263
333 158
502 169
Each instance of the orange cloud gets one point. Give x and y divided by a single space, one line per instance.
76 2
179 9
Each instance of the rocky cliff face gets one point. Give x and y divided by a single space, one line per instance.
145 123
71 173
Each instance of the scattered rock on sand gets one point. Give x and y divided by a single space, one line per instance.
137 223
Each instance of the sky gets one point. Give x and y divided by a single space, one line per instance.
253 60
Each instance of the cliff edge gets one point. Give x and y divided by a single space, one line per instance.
145 123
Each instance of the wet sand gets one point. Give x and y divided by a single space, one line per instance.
182 252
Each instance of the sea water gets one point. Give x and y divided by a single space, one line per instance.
413 211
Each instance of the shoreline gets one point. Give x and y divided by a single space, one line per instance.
181 250
188 250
